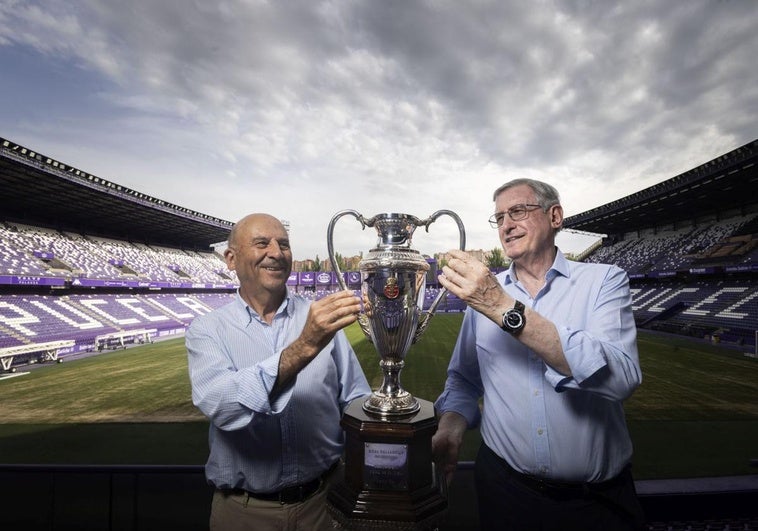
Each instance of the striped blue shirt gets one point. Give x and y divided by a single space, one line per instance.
540 421
257 444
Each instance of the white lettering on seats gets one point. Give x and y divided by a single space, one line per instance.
135 305
93 304
659 307
695 310
87 323
17 323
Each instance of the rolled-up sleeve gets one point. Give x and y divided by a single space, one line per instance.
602 353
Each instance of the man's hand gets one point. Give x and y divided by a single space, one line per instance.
471 281
325 318
446 443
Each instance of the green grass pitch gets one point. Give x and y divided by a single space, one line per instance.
696 413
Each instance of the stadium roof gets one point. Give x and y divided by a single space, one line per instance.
38 190
726 183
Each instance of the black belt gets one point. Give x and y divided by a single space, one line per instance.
293 494
558 489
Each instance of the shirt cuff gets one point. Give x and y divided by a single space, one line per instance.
256 384
583 361
469 411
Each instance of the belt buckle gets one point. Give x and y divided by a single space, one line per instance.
297 493
291 495
561 489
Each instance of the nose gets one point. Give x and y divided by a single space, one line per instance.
274 249
507 224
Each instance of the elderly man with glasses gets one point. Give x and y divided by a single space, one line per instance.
550 347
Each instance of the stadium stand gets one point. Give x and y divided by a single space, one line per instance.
728 242
35 251
690 246
88 319
110 266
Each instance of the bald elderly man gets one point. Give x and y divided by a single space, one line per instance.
273 372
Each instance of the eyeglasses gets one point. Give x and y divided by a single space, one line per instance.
516 213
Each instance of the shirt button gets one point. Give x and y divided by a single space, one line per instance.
539 431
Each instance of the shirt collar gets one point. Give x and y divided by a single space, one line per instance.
246 313
560 267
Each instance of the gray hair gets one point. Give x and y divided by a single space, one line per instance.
545 194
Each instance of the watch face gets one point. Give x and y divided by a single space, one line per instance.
513 319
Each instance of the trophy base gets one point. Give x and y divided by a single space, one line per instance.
390 481
391 406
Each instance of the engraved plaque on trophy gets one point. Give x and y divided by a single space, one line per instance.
389 475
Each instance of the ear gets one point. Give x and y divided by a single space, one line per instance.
229 258
556 216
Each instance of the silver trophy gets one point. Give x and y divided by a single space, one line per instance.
393 281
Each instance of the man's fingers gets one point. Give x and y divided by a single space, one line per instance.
335 311
338 302
458 254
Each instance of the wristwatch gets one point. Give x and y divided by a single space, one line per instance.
514 320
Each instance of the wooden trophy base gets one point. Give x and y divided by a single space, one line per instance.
390 481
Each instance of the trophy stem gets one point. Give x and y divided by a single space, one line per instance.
391 400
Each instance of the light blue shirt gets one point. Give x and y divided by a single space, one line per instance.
257 444
540 421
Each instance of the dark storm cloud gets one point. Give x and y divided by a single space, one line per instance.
564 76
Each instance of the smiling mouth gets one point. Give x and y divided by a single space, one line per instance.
510 239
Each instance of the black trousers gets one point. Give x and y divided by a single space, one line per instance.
510 501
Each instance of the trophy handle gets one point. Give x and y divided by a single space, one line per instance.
362 320
426 316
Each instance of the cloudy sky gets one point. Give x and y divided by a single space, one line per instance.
305 108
